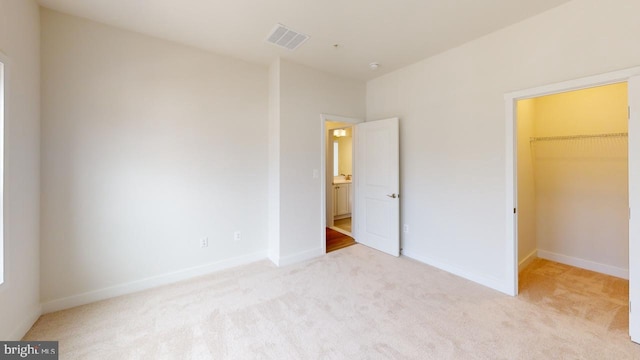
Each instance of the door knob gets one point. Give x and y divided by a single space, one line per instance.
393 196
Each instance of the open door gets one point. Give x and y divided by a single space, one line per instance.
377 179
634 208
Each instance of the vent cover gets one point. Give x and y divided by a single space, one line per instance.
286 37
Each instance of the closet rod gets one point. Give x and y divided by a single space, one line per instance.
574 137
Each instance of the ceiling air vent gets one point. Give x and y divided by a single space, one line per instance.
286 37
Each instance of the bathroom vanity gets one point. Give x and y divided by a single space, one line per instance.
341 199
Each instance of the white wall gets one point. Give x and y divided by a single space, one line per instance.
20 42
452 125
306 93
147 146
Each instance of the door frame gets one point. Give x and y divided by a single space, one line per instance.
511 285
323 172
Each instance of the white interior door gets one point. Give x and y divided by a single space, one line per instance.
377 178
634 208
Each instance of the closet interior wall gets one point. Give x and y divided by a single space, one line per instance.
573 179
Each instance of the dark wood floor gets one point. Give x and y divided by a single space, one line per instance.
336 240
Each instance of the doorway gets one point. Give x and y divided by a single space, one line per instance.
572 169
341 168
340 198
573 201
375 208
632 78
339 194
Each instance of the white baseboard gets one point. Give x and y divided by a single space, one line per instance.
148 283
22 329
490 282
585 264
300 257
274 258
527 260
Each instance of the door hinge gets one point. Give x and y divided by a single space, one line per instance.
514 210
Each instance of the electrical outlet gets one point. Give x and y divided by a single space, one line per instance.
204 242
405 228
237 236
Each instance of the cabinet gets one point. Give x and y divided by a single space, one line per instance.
341 201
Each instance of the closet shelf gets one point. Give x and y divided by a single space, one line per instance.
575 137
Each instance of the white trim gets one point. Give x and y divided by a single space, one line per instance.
274 258
323 173
584 264
150 282
511 245
301 256
575 84
527 260
634 203
490 282
26 325
338 118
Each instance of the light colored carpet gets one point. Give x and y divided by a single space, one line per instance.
355 303
597 298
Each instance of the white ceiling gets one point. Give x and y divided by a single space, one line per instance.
394 33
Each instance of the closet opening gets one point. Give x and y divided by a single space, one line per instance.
572 191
